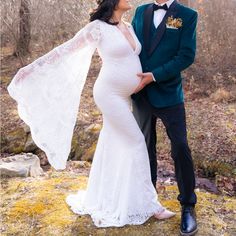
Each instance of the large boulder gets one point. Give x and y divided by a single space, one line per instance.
84 141
14 141
21 165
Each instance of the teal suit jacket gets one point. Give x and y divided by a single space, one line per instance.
165 52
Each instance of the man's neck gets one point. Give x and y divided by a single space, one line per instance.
161 1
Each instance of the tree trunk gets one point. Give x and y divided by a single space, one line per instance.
22 47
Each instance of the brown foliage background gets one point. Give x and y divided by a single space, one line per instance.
54 21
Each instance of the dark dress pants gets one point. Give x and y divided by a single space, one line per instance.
174 120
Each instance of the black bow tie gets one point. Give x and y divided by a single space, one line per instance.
157 7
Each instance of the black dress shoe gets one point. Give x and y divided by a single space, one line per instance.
188 221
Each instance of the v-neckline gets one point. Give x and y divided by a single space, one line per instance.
125 38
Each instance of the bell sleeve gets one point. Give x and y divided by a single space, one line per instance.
48 91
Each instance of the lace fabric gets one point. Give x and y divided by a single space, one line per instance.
107 218
48 91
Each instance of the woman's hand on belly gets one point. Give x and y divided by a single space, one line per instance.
146 78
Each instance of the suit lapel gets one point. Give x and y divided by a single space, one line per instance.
148 18
150 45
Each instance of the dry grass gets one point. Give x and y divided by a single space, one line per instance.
221 95
36 206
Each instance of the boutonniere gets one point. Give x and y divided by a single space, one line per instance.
175 23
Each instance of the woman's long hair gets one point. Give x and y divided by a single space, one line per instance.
104 11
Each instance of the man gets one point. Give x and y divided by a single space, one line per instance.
167 32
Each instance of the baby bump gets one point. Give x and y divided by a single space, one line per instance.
119 77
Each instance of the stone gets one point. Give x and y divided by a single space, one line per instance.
79 164
30 146
82 146
21 165
88 155
14 141
95 128
26 128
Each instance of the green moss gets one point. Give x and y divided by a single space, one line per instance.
88 156
14 141
83 143
36 206
212 167
5 80
44 201
76 149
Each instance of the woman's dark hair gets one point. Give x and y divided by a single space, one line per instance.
104 11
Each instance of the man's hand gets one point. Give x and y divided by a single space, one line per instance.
146 78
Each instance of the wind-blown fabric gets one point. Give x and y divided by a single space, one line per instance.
48 93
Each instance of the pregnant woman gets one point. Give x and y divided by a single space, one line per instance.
119 190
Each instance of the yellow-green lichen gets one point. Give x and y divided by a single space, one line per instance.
36 206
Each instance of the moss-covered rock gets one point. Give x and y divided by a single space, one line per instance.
88 155
36 206
30 146
5 80
84 142
77 149
212 167
14 141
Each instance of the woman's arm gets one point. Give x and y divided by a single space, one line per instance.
89 35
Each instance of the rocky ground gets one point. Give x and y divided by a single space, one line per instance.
36 206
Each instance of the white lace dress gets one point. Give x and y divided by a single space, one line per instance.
48 91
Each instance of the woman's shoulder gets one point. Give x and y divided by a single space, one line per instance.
93 28
94 25
98 24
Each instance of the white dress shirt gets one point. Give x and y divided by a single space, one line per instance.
159 15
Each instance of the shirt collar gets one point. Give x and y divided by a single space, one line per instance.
168 3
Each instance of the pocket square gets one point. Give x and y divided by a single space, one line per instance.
171 27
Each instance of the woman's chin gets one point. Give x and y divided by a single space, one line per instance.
127 8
